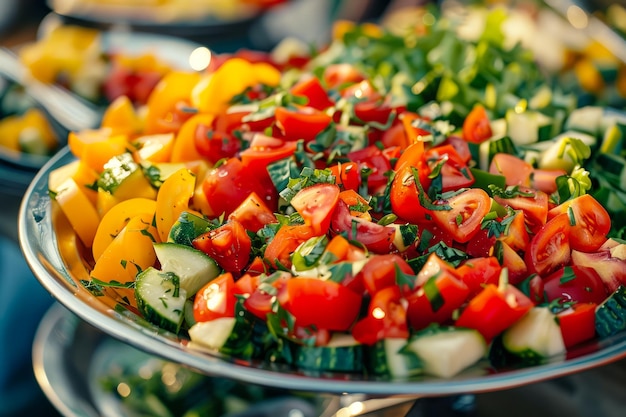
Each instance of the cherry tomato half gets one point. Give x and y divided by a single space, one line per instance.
466 213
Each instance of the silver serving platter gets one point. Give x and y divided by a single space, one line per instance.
55 256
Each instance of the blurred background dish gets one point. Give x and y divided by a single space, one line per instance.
96 66
85 373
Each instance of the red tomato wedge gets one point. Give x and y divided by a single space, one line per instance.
549 249
229 245
316 205
494 309
477 126
577 323
386 318
466 212
301 123
590 222
216 299
320 303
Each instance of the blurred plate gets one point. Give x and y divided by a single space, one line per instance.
17 169
51 249
71 359
182 17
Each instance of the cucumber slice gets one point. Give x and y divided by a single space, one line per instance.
586 119
528 127
229 335
447 351
389 357
160 298
611 314
194 268
342 354
187 228
535 337
212 334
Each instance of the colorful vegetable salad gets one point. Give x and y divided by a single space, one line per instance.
389 205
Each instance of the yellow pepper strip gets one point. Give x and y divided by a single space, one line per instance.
120 116
96 147
154 148
79 210
184 147
173 88
173 198
116 219
230 79
82 174
131 251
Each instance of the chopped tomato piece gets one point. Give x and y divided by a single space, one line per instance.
316 205
494 309
477 127
216 299
465 214
229 245
549 249
323 304
386 318
590 222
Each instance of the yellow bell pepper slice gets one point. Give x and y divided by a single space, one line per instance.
172 199
131 251
116 219
79 210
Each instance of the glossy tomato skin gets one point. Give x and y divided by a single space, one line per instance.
312 89
591 222
386 318
477 127
323 304
380 272
375 237
215 145
549 249
466 213
577 323
284 243
575 284
347 175
228 185
229 245
216 299
478 272
424 308
316 204
494 309
405 197
261 302
264 150
301 123
253 213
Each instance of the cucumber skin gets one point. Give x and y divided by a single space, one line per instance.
149 312
332 359
611 314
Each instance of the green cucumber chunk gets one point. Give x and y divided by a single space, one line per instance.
611 314
160 299
389 357
447 351
341 354
193 267
535 337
